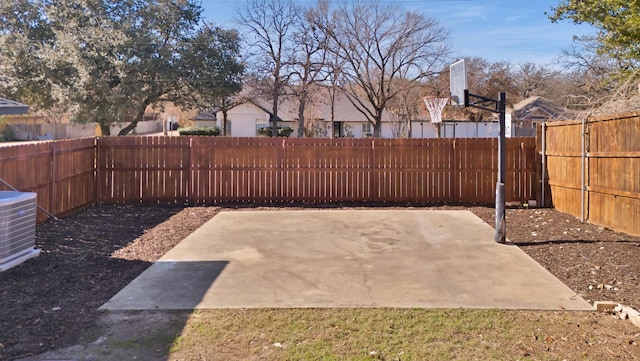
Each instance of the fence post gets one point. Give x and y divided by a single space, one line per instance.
543 160
584 167
52 183
281 172
375 176
192 178
98 171
455 184
521 174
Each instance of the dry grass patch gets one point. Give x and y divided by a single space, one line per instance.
402 334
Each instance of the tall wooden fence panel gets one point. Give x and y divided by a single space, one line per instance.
135 169
335 170
475 169
522 164
276 170
609 192
73 167
238 170
60 172
563 165
414 170
614 172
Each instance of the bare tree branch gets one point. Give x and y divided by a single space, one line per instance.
380 45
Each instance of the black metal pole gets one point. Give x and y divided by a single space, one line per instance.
501 226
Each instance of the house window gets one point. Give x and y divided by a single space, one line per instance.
337 130
366 130
228 128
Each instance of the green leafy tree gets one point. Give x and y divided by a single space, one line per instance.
606 64
617 22
127 53
214 71
100 60
32 79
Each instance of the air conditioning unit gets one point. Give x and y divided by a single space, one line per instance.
17 228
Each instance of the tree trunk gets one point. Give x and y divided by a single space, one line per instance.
274 114
105 128
303 104
131 126
139 116
224 122
377 126
333 110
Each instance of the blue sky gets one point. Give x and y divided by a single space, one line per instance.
517 31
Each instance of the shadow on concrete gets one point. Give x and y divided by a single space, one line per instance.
166 284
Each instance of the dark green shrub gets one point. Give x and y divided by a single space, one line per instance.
282 131
202 131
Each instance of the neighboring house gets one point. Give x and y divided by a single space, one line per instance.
41 126
247 118
244 120
206 118
10 107
349 122
528 113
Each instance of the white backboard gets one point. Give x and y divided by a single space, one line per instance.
458 82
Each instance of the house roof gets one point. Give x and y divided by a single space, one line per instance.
343 108
11 107
287 110
534 105
206 115
284 113
345 111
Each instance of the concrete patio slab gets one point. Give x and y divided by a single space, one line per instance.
345 258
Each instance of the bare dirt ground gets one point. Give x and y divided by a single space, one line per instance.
51 302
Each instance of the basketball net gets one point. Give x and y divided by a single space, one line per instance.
435 106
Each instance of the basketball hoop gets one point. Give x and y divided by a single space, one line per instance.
435 106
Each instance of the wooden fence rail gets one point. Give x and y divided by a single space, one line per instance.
71 174
600 181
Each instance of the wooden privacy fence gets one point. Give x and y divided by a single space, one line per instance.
593 169
276 170
62 173
70 174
